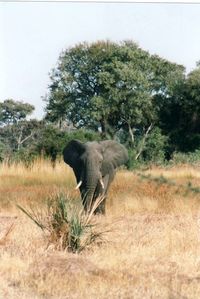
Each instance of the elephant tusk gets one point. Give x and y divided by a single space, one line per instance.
79 184
102 184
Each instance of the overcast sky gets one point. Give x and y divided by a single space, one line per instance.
32 35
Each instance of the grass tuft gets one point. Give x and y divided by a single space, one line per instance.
69 227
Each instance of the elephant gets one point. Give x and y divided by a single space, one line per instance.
94 165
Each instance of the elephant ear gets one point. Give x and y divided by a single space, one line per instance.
114 155
72 152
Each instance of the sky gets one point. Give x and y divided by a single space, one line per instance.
33 34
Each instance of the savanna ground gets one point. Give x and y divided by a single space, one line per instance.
151 251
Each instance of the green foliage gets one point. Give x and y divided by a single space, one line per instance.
19 140
4 151
155 147
50 142
110 86
132 162
179 114
68 227
153 150
17 134
83 135
25 155
13 111
186 158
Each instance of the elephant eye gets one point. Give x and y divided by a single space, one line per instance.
100 160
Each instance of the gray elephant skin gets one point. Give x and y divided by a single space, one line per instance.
94 165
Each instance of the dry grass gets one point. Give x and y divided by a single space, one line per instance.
152 251
23 185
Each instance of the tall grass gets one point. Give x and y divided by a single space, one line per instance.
19 184
40 172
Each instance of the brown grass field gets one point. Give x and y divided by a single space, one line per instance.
151 251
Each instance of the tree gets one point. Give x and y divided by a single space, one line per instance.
125 100
75 82
16 132
11 112
112 87
155 147
190 112
179 114
20 137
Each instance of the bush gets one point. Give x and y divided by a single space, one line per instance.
132 162
84 135
4 151
155 147
24 155
186 158
153 150
68 227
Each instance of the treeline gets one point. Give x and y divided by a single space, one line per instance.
110 90
23 139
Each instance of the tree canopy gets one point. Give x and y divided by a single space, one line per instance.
110 87
11 112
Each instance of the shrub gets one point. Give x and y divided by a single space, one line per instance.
155 147
24 155
186 158
132 162
68 226
84 135
4 150
152 150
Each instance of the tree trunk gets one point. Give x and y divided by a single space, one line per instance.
131 134
143 142
103 127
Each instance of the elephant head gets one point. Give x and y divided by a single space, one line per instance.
94 165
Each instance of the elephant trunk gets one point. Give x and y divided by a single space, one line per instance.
89 199
91 184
